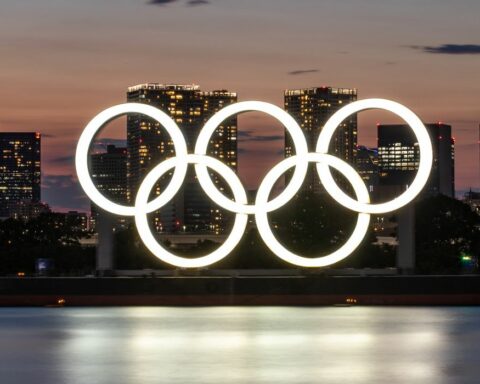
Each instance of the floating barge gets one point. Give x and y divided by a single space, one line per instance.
240 290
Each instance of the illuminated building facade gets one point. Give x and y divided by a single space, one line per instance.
311 108
148 144
19 170
399 156
109 174
223 146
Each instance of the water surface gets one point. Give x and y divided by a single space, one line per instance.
144 345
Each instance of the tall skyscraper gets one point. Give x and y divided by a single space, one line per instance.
399 156
19 169
148 144
223 146
109 174
311 108
224 140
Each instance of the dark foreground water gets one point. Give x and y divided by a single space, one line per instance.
240 345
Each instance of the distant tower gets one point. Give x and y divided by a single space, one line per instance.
19 170
148 144
109 174
311 108
399 157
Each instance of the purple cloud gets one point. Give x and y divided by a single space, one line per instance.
451 49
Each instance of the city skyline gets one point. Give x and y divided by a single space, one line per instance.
57 74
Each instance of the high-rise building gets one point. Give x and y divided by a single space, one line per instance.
148 144
367 166
311 108
109 174
224 140
19 169
223 146
399 157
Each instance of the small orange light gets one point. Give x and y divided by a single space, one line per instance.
21 274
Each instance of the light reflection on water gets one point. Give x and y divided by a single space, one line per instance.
240 345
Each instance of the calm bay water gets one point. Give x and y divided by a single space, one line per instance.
240 345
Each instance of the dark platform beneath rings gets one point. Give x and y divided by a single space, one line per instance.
241 290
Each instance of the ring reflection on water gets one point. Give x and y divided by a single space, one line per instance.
239 345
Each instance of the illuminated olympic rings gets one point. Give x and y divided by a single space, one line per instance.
262 205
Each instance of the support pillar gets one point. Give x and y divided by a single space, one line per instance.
104 256
406 240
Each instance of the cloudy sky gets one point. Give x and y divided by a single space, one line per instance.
63 61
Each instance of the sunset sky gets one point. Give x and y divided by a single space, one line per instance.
63 61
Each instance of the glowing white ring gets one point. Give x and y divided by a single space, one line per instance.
92 128
424 143
262 206
299 143
346 249
141 203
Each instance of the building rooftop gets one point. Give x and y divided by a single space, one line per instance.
159 87
219 92
312 90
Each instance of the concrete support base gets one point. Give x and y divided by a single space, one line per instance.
406 240
104 255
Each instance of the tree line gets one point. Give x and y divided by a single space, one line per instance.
447 238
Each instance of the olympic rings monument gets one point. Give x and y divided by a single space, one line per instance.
262 205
